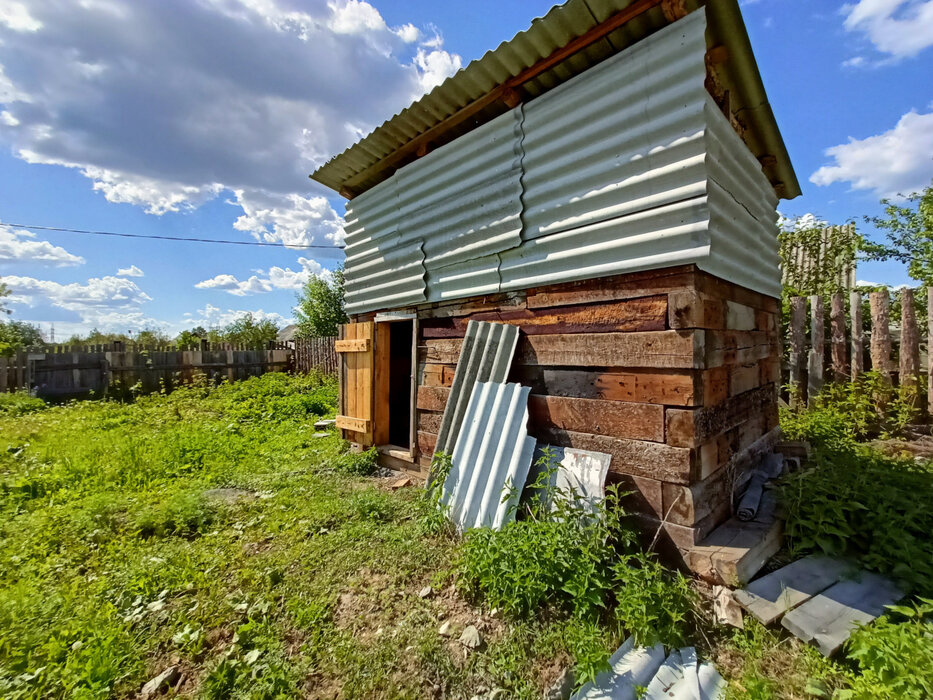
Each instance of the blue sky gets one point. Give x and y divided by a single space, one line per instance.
204 118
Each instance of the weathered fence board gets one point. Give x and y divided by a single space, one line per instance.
58 371
897 360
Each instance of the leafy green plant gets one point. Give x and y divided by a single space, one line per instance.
434 515
894 654
653 603
358 463
19 404
855 501
182 514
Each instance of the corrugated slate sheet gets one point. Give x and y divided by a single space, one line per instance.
492 457
485 356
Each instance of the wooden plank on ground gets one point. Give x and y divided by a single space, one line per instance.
828 618
783 590
638 421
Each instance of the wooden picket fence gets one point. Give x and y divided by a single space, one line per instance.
314 353
65 371
813 363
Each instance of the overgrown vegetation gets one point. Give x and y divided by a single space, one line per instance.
557 556
320 308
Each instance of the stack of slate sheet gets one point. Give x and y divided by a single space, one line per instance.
639 672
819 599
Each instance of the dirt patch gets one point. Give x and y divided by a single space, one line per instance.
920 447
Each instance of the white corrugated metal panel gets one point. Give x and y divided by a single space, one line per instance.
485 356
743 215
469 278
623 137
631 668
464 199
491 458
389 276
380 272
674 234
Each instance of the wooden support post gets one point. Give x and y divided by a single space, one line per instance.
798 321
837 320
817 342
857 351
929 349
880 334
909 369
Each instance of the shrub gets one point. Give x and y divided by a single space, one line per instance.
653 603
895 657
859 503
357 463
19 404
183 514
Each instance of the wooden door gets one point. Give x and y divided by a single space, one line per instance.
356 358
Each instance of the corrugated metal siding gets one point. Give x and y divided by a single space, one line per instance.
485 356
629 166
743 214
624 137
492 456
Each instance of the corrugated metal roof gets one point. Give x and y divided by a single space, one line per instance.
491 458
485 356
361 166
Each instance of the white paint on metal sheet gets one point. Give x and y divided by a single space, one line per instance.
578 475
631 668
627 166
491 458
712 685
667 676
485 356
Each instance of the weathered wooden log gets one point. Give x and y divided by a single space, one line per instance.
837 320
880 334
909 369
798 321
856 350
815 362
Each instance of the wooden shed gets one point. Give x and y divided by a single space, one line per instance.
607 181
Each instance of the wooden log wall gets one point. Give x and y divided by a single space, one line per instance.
315 354
674 373
65 371
846 356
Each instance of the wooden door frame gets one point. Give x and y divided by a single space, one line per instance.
381 389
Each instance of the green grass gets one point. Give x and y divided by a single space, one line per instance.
115 563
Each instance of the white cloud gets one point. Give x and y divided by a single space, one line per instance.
149 102
214 317
899 161
900 28
266 280
98 293
854 62
131 271
804 221
20 246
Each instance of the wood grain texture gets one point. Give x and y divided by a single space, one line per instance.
642 314
880 333
666 387
738 347
909 374
634 457
691 309
837 324
429 422
693 427
433 374
632 285
856 350
817 348
656 349
637 421
432 398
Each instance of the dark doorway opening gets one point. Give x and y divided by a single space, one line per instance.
400 374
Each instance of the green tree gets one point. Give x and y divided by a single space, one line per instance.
908 231
191 339
320 307
15 335
4 292
246 330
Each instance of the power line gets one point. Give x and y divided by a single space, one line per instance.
121 234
